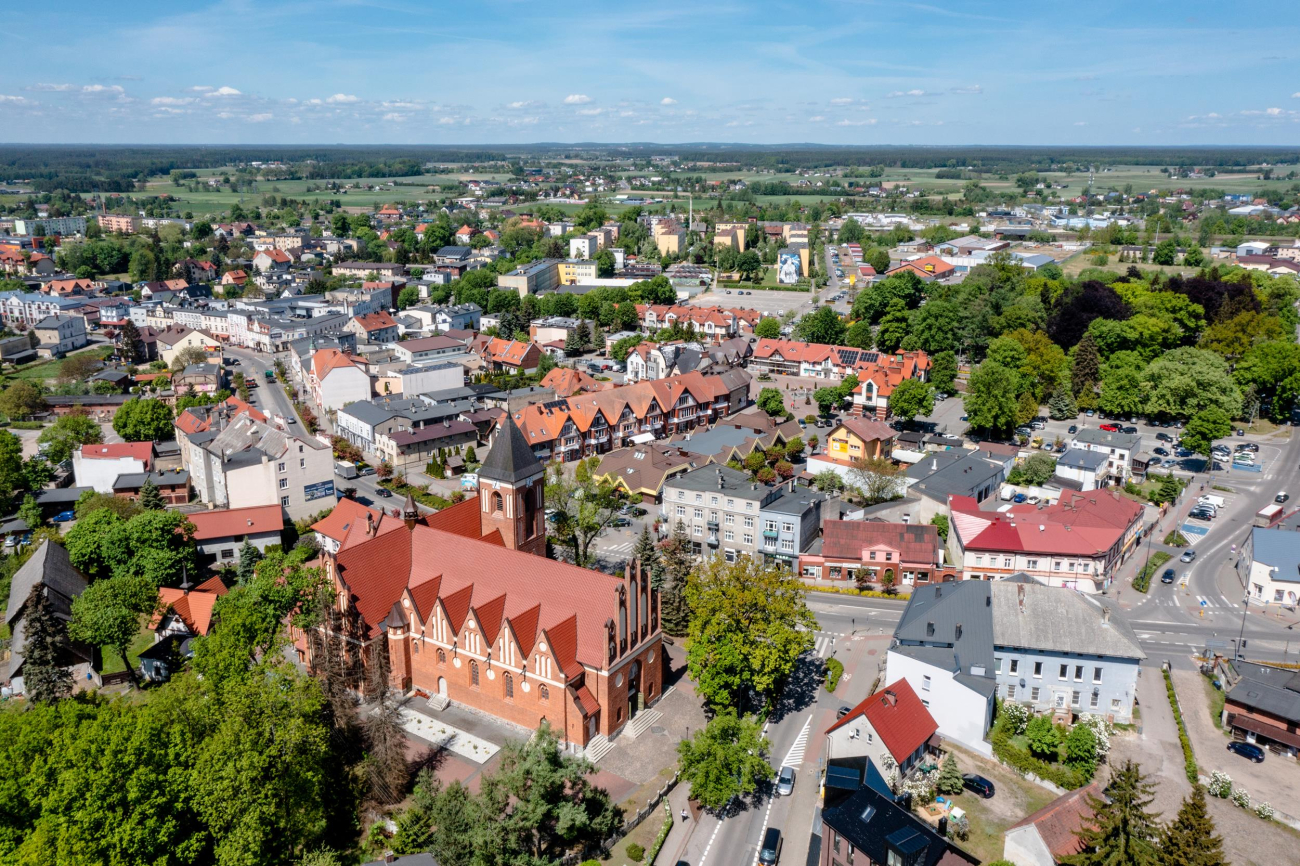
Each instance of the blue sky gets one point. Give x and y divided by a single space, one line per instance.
488 71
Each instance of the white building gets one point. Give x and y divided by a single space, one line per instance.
1087 469
1119 449
98 466
1269 566
58 335
336 379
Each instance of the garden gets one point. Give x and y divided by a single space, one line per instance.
1065 755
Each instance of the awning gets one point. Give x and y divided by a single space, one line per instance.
1264 729
643 438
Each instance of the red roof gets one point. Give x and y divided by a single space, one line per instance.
1058 821
190 422
346 514
194 607
897 716
376 321
142 451
277 255
326 360
253 520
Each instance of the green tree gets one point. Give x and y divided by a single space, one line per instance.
1061 406
827 399
950 781
1085 371
1037 469
771 401
107 614
676 562
828 481
990 399
30 513
1122 831
1044 739
940 521
823 326
860 335
878 258
911 397
443 821
21 399
1204 428
1081 750
150 498
1190 839
46 678
876 479
767 328
143 421
130 344
646 552
545 364
1166 252
1185 381
1193 258
249 557
68 434
583 507
749 625
893 327
604 264
1122 392
943 372
725 759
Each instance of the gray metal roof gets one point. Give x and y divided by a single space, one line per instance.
719 479
1035 617
1078 458
1275 691
1279 549
511 458
1107 439
796 501
962 476
367 412
950 626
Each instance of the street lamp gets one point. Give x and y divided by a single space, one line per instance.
1242 631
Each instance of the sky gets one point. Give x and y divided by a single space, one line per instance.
511 72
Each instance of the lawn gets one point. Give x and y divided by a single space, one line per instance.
989 819
1142 580
50 369
1217 698
143 640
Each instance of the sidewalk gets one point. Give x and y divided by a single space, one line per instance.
680 835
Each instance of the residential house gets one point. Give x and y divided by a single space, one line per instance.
174 340
891 725
879 374
219 534
58 335
337 379
853 440
98 466
426 349
333 528
1120 449
272 261
1048 836
1269 566
567 382
236 278
1082 470
1078 543
877 552
199 378
1263 707
410 450
179 616
642 470
473 613
50 569
376 327
940 476
791 522
508 356
173 485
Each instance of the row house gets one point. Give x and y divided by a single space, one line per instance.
594 423
712 323
28 308
22 264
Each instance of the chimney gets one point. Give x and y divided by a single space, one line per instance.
957 634
370 524
1020 596
1105 616
934 465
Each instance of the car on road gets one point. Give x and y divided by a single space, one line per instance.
620 522
1281 497
64 516
842 712
1188 555
1164 437
1168 576
1161 451
384 492
769 854
728 291
977 784
785 782
1241 432
1129 429
1074 428
1247 750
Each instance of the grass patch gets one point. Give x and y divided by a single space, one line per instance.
1217 698
1222 489
1176 539
423 497
113 663
50 369
1142 582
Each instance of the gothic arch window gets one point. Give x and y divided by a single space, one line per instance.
473 673
498 504
543 693
442 657
510 686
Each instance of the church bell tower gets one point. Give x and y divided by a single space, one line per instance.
511 492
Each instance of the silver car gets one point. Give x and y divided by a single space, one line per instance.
785 782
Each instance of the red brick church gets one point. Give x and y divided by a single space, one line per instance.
474 613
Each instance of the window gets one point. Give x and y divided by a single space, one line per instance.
681 494
730 520
699 514
769 526
1031 564
787 527
1015 666
925 683
302 462
1038 669
1056 566
279 467
1033 693
749 506
510 687
1069 566
873 556
1277 595
729 535
1006 562
1011 691
1086 567
731 503
1078 673
473 674
749 523
1114 704
1095 700
442 657
415 647
228 554
1074 699
997 665
713 500
284 483
681 511
284 501
543 693
699 497
498 504
787 544
1065 672
979 560
748 539
697 530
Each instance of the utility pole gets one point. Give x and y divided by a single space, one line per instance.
1242 631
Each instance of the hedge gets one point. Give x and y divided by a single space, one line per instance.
834 670
26 425
663 833
865 593
1142 581
1189 760
1023 762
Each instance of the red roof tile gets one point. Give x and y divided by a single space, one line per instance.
253 520
142 451
897 716
346 514
1058 821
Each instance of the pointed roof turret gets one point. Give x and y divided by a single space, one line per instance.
410 513
511 459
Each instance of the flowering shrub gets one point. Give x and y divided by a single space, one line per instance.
1101 729
1265 811
921 786
1017 717
1220 785
1241 798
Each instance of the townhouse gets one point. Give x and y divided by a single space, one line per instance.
820 361
506 356
376 327
1119 448
28 308
590 424
907 553
337 379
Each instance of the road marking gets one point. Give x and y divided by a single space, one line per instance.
705 855
794 757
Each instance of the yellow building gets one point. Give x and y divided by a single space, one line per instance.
859 439
722 231
576 271
670 239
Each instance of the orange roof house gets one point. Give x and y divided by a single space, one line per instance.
181 611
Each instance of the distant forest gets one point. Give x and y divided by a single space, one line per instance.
108 168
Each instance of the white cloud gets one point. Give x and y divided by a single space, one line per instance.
343 99
17 100
870 121
668 100
974 88
842 100
201 88
394 117
53 88
1273 111
103 88
315 102
171 100
1296 95
222 91
1081 123
259 118
590 112
577 99
897 93
446 121
817 119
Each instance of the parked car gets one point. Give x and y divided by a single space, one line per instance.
1241 432
842 712
1248 446
1247 750
1188 555
1110 428
64 516
1074 428
785 782
1020 498
977 784
1164 437
1200 514
620 522
1168 576
1129 429
1161 451
770 852
1090 413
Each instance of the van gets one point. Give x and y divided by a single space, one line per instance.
770 852
1216 501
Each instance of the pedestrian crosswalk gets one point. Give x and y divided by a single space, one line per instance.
823 645
794 757
1218 602
623 549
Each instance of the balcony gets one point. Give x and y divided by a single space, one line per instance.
713 541
769 533
712 523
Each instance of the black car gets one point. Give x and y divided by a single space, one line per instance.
384 492
1128 430
1168 576
1161 451
978 784
1247 750
1074 428
1164 437
1201 514
770 852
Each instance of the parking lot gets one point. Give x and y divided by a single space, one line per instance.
768 302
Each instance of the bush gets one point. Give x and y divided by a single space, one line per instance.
635 851
1142 582
865 593
834 670
1189 760
1241 798
1220 785
1265 811
1022 762
663 834
1044 738
1017 716
27 425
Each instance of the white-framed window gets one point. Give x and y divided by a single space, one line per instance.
1078 673
787 527
1038 669
1094 700
1031 564
1056 565
697 530
731 503
729 535
979 560
1011 691
749 506
1007 562
279 467
787 544
284 483
1074 699
284 501
699 497
1114 703
749 523
1034 693
730 520
1096 675
925 683
681 511
699 514
769 526
997 665
748 539
681 494
1065 672
1015 666
713 500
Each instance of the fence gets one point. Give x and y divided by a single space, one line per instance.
629 824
